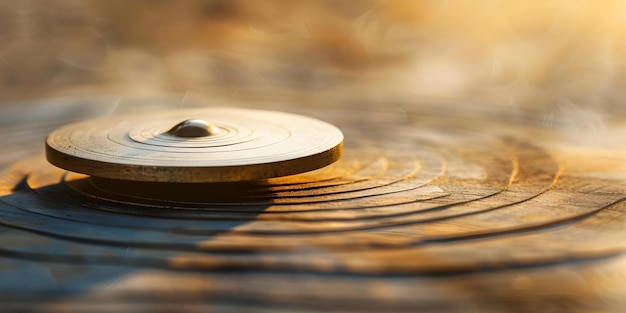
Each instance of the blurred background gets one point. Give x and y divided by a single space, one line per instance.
554 58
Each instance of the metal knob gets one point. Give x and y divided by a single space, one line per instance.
193 128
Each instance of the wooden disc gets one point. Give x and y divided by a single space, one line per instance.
197 145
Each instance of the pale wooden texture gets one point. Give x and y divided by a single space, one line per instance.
250 145
435 207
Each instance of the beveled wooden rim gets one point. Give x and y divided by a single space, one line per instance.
249 172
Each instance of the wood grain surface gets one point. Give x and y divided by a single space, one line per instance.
435 206
249 145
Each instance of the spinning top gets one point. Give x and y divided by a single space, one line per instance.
195 146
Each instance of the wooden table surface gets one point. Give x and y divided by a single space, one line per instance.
436 206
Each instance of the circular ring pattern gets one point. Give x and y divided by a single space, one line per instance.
250 145
412 213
